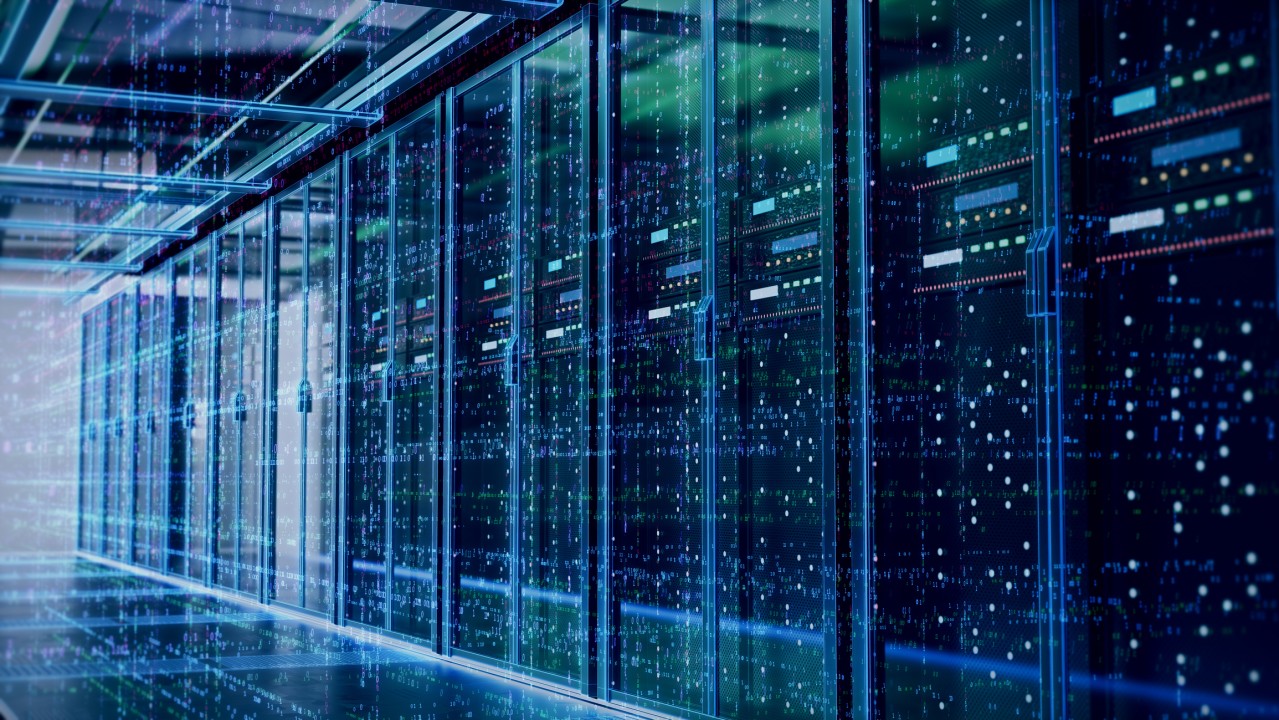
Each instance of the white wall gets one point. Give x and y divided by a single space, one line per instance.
39 423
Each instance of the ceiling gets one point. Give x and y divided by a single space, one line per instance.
125 123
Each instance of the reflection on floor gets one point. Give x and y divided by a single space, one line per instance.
83 640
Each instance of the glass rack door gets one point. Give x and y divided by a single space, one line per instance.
320 438
367 364
240 387
142 481
228 389
1169 321
551 357
958 492
773 365
305 458
659 611
93 429
199 417
179 419
288 506
152 420
480 252
253 360
415 396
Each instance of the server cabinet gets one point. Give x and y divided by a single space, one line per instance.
240 387
121 458
151 497
367 362
87 434
141 480
517 442
304 286
1169 321
288 521
94 431
958 570
414 379
552 355
324 339
658 607
190 489
179 421
721 426
480 251
126 510
771 318
393 461
111 438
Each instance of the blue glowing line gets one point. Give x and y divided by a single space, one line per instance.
482 585
554 597
1118 686
413 573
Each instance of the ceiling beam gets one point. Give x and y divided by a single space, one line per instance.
10 173
57 194
37 291
13 263
147 101
130 231
517 9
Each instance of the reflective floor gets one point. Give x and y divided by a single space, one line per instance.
83 640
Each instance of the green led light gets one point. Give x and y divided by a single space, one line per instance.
1181 208
1201 204
1023 125
1244 196
975 248
972 140
1177 81
1003 243
989 135
1223 68
1020 240
1221 200
990 245
1005 131
1247 61
1199 75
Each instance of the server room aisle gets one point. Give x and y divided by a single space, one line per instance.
85 640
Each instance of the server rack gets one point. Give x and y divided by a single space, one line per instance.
722 348
197 416
151 496
239 378
656 553
303 332
392 368
93 435
517 389
365 491
413 429
960 363
991 239
1168 277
